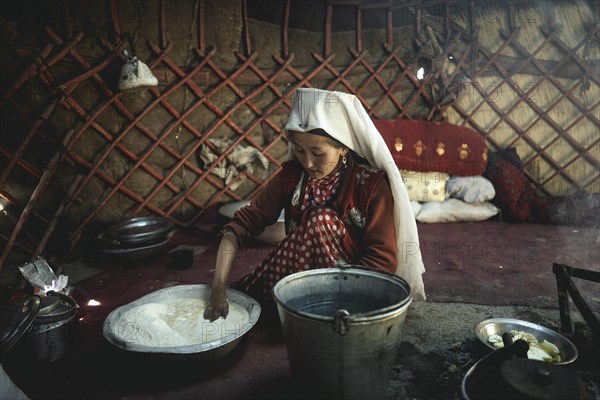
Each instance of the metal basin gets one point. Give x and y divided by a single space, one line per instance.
224 341
139 230
141 251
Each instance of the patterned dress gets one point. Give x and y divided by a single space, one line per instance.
341 218
314 243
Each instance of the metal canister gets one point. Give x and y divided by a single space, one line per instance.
55 331
45 332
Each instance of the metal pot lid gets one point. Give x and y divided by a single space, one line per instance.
540 380
59 307
48 304
16 318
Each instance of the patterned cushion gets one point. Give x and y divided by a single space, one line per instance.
427 146
425 186
514 195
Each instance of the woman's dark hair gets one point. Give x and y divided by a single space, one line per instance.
321 132
336 143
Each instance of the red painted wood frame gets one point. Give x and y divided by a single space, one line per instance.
472 62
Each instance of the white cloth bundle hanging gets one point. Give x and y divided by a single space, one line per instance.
343 117
135 74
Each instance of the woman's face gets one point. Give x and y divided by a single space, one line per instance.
316 153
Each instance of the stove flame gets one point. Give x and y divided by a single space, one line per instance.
57 285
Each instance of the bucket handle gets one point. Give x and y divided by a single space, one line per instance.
343 266
340 322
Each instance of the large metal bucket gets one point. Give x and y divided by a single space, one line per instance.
342 328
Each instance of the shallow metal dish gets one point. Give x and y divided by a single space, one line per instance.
211 350
497 326
139 230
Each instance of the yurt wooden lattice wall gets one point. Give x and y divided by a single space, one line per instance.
78 154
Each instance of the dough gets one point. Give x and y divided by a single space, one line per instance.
177 322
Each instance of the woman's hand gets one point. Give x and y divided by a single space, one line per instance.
218 306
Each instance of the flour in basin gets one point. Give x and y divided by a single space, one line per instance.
177 322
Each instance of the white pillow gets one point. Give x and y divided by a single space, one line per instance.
416 207
425 186
472 189
455 210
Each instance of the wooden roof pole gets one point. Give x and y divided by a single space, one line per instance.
37 193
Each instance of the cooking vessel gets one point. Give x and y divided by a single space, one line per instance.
40 328
139 230
16 318
507 373
141 251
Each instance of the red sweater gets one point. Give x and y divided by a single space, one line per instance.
364 202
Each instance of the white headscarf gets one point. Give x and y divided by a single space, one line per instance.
343 117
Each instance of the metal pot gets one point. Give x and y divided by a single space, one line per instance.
507 373
40 328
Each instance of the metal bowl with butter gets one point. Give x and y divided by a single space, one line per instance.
488 330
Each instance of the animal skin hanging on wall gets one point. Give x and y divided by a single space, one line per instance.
436 54
239 159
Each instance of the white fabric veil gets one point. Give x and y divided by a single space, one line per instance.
343 117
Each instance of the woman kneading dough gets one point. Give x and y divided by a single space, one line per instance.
344 202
